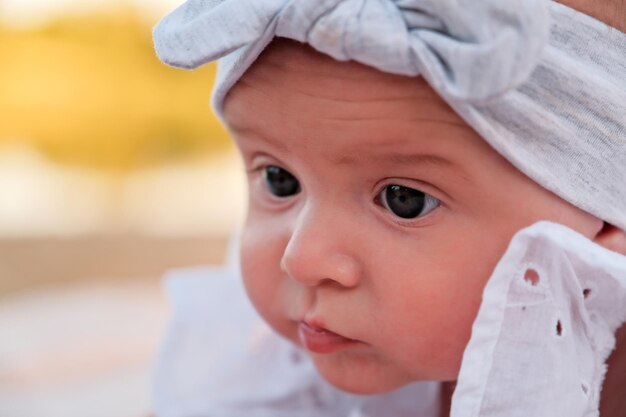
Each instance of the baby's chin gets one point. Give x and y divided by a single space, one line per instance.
360 387
366 373
360 374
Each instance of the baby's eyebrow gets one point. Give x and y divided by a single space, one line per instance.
396 158
406 159
247 132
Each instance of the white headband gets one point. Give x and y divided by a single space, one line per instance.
543 84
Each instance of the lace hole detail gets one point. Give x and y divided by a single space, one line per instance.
531 276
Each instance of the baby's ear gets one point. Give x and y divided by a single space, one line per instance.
612 238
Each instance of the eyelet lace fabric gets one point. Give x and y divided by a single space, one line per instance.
545 328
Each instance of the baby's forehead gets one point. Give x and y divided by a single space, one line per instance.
293 90
293 96
298 82
302 68
284 54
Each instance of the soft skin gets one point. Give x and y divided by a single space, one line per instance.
334 254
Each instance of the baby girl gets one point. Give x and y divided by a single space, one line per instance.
393 150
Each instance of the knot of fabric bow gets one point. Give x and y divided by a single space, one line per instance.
469 50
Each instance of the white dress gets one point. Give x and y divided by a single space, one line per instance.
537 349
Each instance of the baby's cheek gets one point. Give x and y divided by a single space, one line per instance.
440 337
438 312
256 267
261 253
457 314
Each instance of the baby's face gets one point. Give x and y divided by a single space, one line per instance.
375 213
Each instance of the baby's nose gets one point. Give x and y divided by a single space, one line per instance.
320 250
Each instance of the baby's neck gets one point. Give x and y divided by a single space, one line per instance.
447 389
612 399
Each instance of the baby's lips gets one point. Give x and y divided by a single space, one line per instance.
321 340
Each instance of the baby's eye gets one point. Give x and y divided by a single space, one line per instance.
406 202
280 182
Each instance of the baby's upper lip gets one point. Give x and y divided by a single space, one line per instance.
318 325
314 322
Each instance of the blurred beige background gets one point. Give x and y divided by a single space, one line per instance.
112 170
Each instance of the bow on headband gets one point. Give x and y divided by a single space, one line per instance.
467 49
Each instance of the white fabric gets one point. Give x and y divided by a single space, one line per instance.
219 359
540 349
541 83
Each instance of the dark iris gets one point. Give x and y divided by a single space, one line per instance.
280 182
404 202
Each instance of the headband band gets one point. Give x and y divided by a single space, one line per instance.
543 84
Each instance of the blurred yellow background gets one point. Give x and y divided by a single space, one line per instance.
113 169
87 90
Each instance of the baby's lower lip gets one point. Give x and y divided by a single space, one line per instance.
319 340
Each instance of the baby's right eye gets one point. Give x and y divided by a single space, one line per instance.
280 182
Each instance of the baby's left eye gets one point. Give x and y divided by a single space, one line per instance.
406 202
